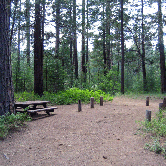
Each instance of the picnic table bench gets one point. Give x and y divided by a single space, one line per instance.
31 107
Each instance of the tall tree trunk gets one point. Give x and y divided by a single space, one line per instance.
122 50
75 39
161 48
83 42
108 34
38 55
143 52
27 17
87 38
71 44
104 47
18 52
14 18
57 28
6 87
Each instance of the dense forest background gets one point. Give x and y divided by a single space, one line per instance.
114 46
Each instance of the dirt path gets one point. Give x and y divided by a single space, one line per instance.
103 136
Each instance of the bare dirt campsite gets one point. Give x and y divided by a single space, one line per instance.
105 135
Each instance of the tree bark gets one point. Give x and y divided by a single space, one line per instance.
6 86
83 42
27 17
75 40
161 48
122 50
57 28
18 52
38 52
143 53
108 35
104 37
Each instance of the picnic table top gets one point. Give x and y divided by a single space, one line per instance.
31 102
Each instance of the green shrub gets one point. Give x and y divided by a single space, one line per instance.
70 96
157 129
10 121
25 96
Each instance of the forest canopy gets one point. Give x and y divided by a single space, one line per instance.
102 45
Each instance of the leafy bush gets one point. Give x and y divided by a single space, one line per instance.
157 126
156 147
66 97
73 95
25 96
110 83
157 129
10 121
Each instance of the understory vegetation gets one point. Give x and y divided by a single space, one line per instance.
156 129
12 121
70 96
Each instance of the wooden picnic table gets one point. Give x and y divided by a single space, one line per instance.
32 106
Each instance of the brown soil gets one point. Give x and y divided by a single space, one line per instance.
104 135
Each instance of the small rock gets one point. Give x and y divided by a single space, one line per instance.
104 157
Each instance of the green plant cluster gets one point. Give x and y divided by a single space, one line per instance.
26 96
156 147
157 129
11 121
157 126
70 96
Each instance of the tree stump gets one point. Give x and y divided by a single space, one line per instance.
148 115
147 101
92 102
79 106
101 101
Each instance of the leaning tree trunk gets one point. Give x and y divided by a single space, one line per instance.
6 87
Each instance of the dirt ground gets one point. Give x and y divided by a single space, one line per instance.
101 136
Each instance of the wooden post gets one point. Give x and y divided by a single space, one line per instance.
92 102
147 101
148 115
160 106
101 101
79 106
164 101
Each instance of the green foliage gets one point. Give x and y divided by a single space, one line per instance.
157 126
11 121
53 73
22 74
156 147
110 83
157 129
73 95
25 96
66 97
